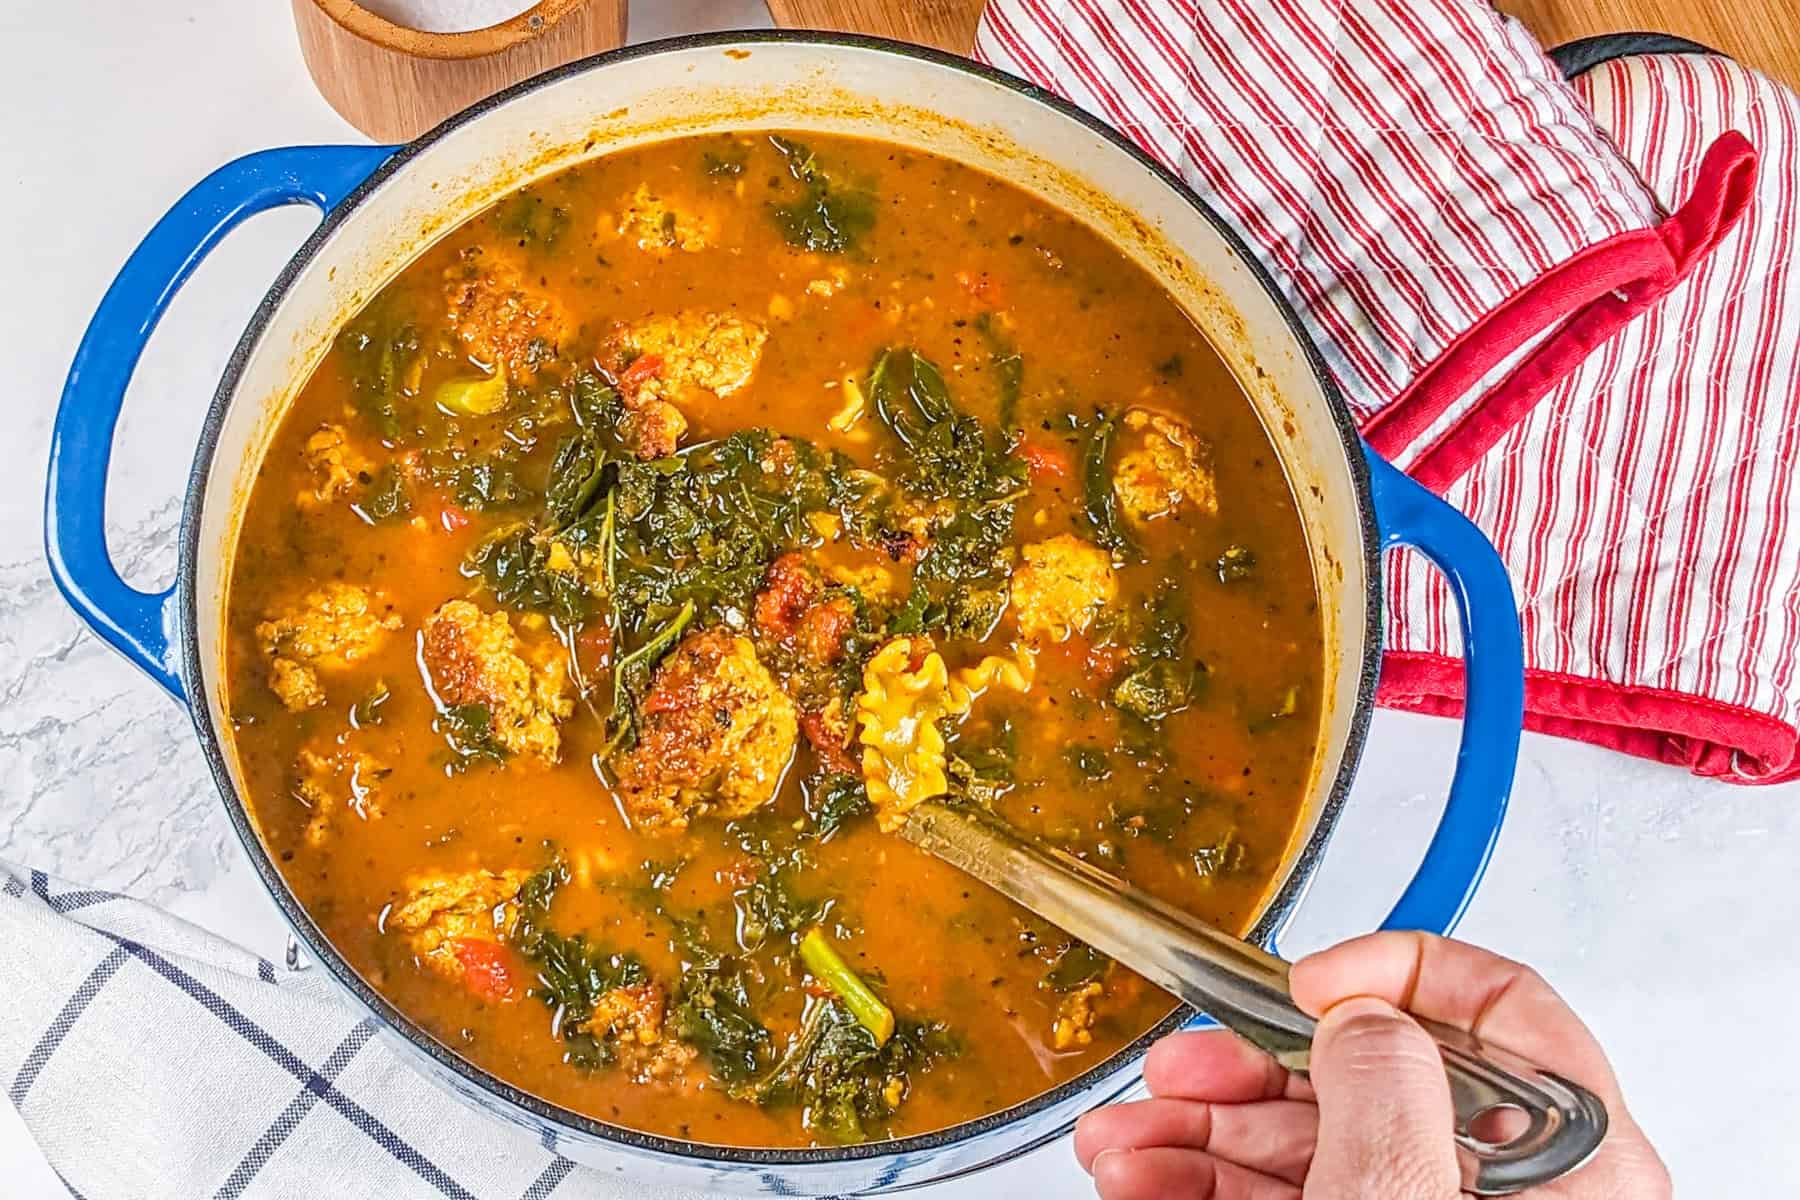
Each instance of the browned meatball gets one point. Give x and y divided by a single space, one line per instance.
503 322
476 658
717 733
332 628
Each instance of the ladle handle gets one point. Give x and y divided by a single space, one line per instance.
1245 989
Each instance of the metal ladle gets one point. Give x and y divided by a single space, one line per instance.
1245 989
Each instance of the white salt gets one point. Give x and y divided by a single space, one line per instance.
447 16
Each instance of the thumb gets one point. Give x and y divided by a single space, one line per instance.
1385 1119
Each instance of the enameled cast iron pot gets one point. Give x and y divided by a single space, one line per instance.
383 204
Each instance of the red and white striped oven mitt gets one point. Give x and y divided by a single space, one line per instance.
1571 307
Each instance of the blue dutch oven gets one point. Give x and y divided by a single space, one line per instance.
382 204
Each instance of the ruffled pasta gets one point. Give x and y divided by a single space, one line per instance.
898 711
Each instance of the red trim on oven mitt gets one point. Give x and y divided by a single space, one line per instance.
1582 301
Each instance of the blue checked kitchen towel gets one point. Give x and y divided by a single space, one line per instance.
151 1059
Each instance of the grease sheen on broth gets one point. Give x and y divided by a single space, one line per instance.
647 546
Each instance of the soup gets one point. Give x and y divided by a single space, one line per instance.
640 555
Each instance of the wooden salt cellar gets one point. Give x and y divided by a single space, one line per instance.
395 83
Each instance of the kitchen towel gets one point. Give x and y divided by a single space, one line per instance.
1571 308
153 1061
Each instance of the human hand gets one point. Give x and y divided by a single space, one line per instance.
1374 1122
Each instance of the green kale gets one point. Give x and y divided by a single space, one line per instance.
386 497
1163 680
827 218
1150 813
713 1014
1157 690
484 482
1079 964
1224 855
948 462
1009 368
846 1085
769 908
469 728
917 614
514 563
531 220
1089 761
380 349
367 711
702 526
909 395
574 483
981 768
1237 564
572 973
631 682
1099 504
595 404
722 166
834 801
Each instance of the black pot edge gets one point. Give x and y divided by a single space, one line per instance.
1584 54
1280 905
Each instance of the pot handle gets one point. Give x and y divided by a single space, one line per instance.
1494 686
1407 514
142 625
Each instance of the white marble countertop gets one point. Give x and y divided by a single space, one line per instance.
1661 905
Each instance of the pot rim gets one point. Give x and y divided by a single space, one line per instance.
1280 905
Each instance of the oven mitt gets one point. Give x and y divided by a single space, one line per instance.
152 1060
1648 506
1561 305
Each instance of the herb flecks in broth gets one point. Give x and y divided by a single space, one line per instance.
640 555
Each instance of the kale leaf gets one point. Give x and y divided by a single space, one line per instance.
713 1014
469 728
1163 680
386 497
827 218
572 973
834 801
1089 761
382 351
1099 504
950 466
1236 564
1078 964
531 220
846 1085
702 526
515 565
1009 367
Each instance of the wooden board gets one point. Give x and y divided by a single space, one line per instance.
946 24
1762 33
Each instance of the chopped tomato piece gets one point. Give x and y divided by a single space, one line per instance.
1046 462
823 629
831 749
788 591
644 366
488 968
984 288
